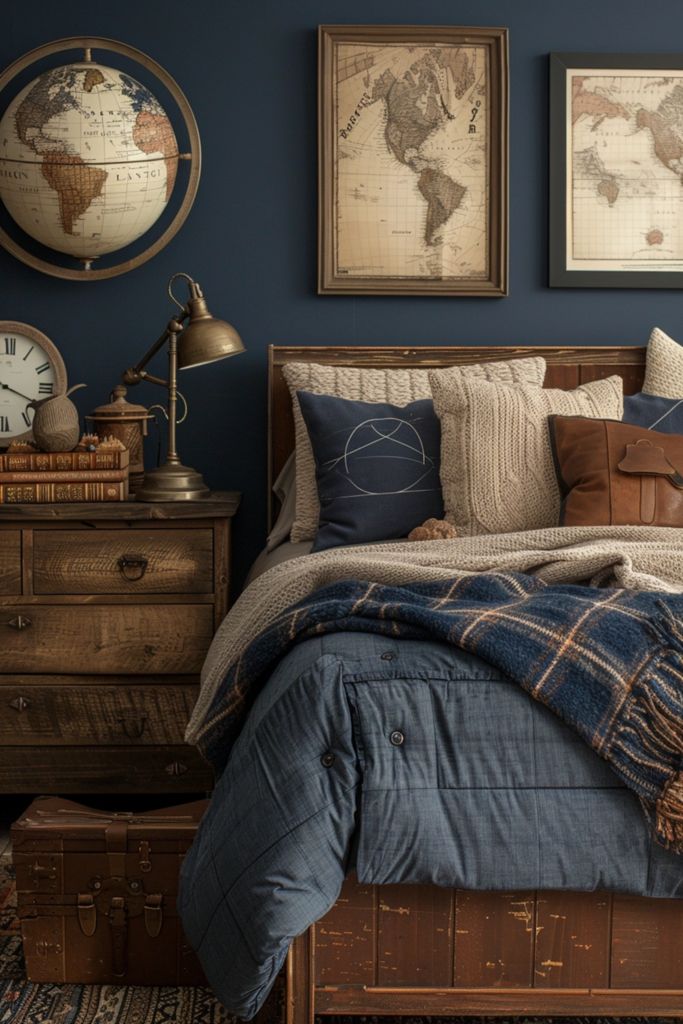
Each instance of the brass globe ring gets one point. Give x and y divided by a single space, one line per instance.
88 43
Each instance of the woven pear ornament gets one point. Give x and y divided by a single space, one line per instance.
56 423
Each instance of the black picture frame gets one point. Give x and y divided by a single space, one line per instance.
560 275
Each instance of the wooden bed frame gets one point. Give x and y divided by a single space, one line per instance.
413 950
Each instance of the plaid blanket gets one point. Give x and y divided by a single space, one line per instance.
608 662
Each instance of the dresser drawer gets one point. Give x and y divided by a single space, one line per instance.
112 712
105 639
168 769
10 561
123 561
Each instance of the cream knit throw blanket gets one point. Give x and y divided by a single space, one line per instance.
635 557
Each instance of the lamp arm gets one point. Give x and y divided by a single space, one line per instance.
135 374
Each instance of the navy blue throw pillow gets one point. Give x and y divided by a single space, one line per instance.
654 413
377 467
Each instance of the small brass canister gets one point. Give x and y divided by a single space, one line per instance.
127 422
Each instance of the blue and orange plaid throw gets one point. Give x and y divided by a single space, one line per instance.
609 663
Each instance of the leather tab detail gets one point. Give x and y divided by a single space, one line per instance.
646 459
87 913
154 914
117 921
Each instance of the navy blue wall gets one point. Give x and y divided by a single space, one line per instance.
249 71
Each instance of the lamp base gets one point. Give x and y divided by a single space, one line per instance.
172 482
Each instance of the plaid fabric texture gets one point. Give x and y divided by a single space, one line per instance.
608 662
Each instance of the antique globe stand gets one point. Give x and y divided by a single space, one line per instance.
87 44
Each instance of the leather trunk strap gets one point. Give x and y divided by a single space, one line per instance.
116 842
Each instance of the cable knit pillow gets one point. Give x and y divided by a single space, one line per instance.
398 387
497 470
663 366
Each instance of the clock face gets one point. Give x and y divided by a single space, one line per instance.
30 369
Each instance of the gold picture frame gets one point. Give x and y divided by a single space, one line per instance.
412 186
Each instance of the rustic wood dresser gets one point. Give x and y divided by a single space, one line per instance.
106 614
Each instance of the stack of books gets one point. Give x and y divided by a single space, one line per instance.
28 478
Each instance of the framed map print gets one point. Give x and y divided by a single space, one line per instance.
616 170
413 160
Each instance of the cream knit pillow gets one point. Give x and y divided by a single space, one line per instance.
663 366
396 386
497 470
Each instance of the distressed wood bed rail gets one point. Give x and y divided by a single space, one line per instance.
423 950
409 949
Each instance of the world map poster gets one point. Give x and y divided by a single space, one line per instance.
410 162
624 201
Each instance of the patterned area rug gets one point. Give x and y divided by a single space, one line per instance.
22 1002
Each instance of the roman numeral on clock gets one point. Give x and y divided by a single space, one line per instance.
10 346
45 387
26 418
42 368
4 425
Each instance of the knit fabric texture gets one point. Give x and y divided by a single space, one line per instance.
497 470
636 557
398 387
663 366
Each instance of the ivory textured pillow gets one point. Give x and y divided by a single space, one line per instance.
398 387
497 470
663 366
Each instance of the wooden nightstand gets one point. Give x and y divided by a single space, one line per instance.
106 614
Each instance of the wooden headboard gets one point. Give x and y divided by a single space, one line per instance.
567 368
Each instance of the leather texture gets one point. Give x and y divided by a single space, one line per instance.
614 473
97 892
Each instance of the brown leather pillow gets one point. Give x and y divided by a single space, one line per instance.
614 474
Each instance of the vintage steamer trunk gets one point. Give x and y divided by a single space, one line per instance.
97 893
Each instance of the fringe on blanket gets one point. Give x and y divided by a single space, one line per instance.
669 815
652 730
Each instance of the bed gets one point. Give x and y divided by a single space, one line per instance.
385 950
422 949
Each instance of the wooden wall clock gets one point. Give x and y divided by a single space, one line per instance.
31 368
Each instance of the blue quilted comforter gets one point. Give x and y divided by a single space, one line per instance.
406 761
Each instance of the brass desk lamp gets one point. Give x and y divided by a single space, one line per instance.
204 339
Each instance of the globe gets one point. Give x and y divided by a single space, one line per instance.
88 159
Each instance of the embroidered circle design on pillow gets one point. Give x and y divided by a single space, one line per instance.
373 442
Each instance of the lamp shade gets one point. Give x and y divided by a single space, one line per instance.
205 339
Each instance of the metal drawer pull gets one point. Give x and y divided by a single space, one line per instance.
132 567
20 704
133 725
176 768
19 622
